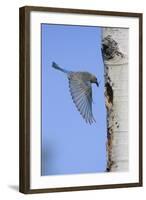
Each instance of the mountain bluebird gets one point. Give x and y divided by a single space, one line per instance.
81 91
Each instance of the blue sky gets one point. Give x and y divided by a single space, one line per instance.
69 145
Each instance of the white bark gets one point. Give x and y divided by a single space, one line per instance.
116 74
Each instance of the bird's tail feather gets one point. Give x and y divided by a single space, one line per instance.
54 65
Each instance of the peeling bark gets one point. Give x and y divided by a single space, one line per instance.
115 56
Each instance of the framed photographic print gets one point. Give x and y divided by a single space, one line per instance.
80 99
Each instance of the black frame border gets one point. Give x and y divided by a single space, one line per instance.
24 98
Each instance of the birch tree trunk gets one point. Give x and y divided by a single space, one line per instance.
115 56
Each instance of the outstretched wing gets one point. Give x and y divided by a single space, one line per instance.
81 92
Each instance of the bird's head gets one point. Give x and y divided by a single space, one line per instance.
94 80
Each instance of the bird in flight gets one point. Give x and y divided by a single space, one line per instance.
81 91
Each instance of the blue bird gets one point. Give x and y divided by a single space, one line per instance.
81 91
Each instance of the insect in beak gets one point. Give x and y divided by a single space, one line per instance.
97 83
